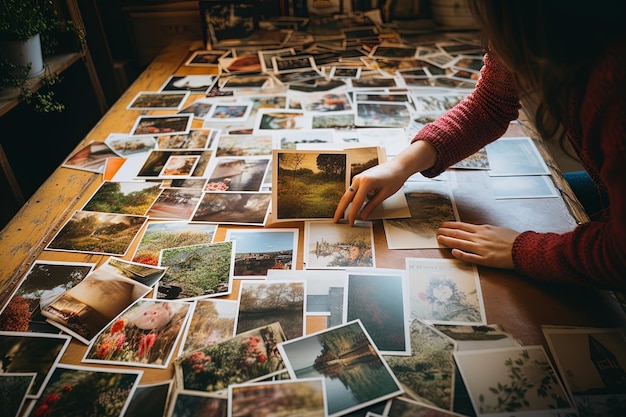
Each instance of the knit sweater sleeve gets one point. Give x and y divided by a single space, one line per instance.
480 118
593 253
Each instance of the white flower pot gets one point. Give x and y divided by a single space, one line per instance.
24 53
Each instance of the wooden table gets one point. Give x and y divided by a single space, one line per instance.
515 302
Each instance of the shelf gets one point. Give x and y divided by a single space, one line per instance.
55 64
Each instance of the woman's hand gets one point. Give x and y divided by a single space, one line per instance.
371 187
479 244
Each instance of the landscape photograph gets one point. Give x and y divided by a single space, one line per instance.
125 197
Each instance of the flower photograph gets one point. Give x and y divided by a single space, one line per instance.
144 335
86 392
249 356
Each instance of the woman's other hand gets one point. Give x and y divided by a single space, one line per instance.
479 244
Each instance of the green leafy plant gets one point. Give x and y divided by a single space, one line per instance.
19 21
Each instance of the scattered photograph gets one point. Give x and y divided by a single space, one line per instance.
195 139
291 139
248 357
445 291
149 399
478 337
378 299
157 159
204 270
205 58
147 100
344 72
233 112
591 362
83 312
237 174
265 57
96 232
374 83
32 353
526 186
162 125
246 81
311 78
199 108
123 197
510 156
321 102
386 114
430 204
212 321
246 208
303 397
178 166
478 160
90 157
308 184
435 103
196 84
341 121
427 375
13 390
355 375
512 381
126 146
291 63
144 335
258 251
244 145
175 204
271 119
41 284
170 234
338 245
262 303
197 404
86 391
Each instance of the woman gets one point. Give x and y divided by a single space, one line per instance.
570 57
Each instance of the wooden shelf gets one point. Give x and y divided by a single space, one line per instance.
55 64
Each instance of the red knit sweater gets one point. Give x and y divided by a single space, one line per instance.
593 253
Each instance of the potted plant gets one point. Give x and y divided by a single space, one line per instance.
29 30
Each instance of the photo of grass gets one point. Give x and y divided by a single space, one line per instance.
170 234
126 197
204 270
96 232
84 391
428 374
308 184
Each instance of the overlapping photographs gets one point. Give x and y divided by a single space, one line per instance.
97 232
247 357
244 145
238 174
258 251
86 391
330 245
196 271
354 372
168 234
90 157
431 354
125 146
194 140
175 204
209 58
41 284
445 291
580 354
324 102
83 312
154 164
382 114
33 353
144 335
378 299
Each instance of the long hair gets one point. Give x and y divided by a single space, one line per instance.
549 46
